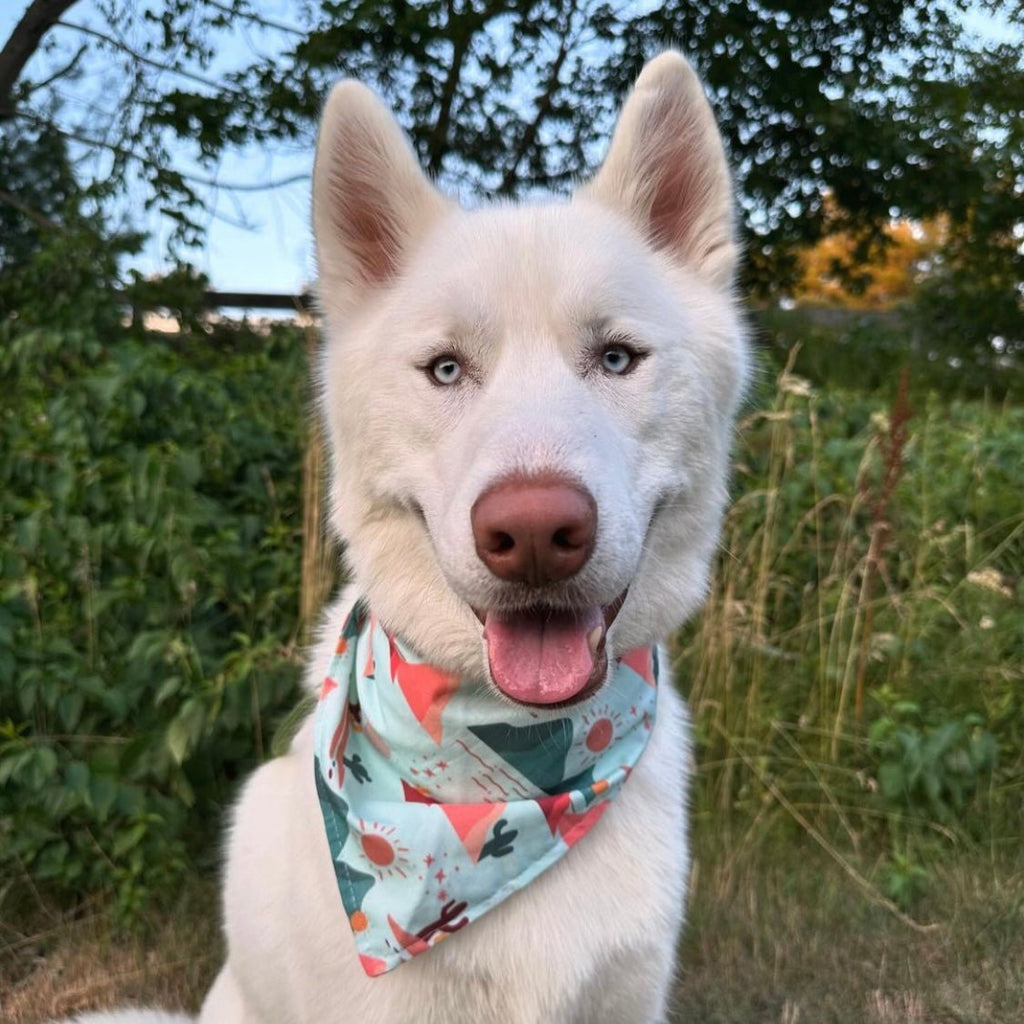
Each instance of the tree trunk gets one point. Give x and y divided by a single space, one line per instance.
37 20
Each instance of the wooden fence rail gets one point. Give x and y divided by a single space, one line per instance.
260 300
301 305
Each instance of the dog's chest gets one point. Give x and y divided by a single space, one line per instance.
604 918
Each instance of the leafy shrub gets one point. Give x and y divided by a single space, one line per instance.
955 352
930 769
151 509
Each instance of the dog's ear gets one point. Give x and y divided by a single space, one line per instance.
371 201
666 169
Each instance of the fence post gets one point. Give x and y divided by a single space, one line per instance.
319 554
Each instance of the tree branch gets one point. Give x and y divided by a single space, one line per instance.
256 19
9 199
472 22
37 20
148 61
196 179
61 72
543 104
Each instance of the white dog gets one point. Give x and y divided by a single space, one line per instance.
529 413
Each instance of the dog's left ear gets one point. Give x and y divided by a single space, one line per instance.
371 201
666 169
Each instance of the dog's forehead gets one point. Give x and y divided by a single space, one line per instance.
571 259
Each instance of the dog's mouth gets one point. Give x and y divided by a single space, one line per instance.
548 656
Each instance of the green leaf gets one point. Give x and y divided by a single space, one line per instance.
102 794
128 840
186 729
69 708
892 782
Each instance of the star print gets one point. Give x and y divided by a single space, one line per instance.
442 895
428 860
440 876
442 766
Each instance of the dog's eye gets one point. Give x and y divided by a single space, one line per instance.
445 370
617 359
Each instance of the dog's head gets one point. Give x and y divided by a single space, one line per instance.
529 408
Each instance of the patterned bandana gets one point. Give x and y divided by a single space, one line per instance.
440 802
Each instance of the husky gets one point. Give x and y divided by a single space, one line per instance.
529 412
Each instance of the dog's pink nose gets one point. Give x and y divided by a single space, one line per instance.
534 529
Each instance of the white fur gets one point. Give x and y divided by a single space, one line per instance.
522 295
131 1017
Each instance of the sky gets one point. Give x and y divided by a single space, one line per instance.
270 251
256 240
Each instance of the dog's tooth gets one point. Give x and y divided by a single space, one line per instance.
594 638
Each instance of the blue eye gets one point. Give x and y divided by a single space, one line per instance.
617 359
445 370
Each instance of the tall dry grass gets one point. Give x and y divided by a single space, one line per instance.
856 676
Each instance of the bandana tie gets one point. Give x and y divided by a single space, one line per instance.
440 802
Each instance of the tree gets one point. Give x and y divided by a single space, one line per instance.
58 256
878 273
878 104
38 19
971 307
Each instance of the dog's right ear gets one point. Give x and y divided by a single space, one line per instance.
666 170
371 201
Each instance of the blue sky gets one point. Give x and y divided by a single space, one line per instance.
256 240
274 253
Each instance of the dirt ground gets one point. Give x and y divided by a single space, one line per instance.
773 938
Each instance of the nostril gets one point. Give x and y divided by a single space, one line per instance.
563 539
501 543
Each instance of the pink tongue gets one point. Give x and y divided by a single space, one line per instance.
541 658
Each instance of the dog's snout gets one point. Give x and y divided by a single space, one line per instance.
534 529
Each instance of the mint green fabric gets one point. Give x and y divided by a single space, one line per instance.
440 800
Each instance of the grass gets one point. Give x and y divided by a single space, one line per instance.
778 934
860 652
857 686
54 964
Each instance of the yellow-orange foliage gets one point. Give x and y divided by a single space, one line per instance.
889 278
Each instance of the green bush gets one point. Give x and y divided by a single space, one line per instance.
151 509
947 351
936 768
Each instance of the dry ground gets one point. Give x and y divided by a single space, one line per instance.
790 940
53 965
775 937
